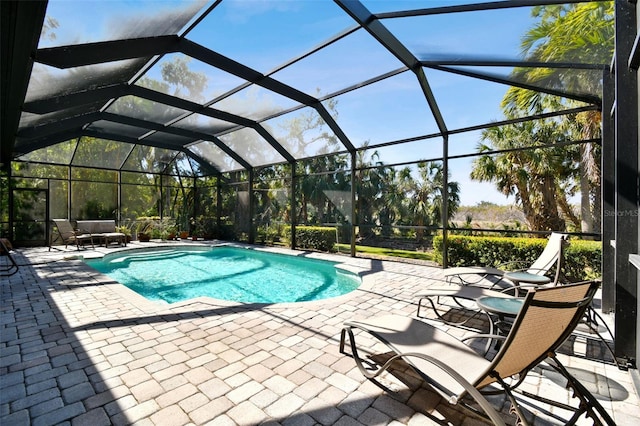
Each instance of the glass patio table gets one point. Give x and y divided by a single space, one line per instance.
501 307
518 277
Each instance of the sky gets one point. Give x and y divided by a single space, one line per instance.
265 34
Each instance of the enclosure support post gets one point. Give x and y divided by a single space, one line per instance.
626 181
445 199
293 204
119 210
252 233
218 202
195 205
353 204
10 194
161 198
69 190
47 215
607 187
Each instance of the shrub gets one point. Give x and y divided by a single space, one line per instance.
583 259
268 234
315 238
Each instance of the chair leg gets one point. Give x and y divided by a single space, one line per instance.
588 405
515 407
342 338
12 268
440 317
593 320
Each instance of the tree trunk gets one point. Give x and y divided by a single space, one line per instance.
542 214
566 209
552 219
585 202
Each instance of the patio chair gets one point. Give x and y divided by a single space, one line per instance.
5 251
550 256
454 370
69 235
460 295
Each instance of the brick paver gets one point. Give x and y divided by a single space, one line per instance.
79 349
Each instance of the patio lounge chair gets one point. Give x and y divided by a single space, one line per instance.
69 235
461 294
11 266
454 370
469 289
550 256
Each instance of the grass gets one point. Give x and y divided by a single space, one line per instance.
381 251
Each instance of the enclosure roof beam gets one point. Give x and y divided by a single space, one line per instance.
174 101
195 136
21 22
25 146
202 162
114 91
583 97
374 27
211 112
43 130
239 70
109 51
134 141
78 55
85 97
493 62
475 7
78 122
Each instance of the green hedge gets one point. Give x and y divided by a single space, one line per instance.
315 238
583 259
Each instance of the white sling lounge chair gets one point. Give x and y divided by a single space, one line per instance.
550 256
546 319
468 279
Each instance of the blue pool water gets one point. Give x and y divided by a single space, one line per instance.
228 273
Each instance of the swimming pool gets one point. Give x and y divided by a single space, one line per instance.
174 274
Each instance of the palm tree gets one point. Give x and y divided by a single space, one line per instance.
582 33
533 176
393 206
428 197
370 190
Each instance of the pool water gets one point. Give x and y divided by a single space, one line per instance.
228 273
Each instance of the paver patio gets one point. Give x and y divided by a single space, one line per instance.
81 349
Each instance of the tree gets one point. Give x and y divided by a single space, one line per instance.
428 196
306 129
532 175
394 207
581 33
370 190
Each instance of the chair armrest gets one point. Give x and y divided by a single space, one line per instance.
514 264
491 338
510 289
483 336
